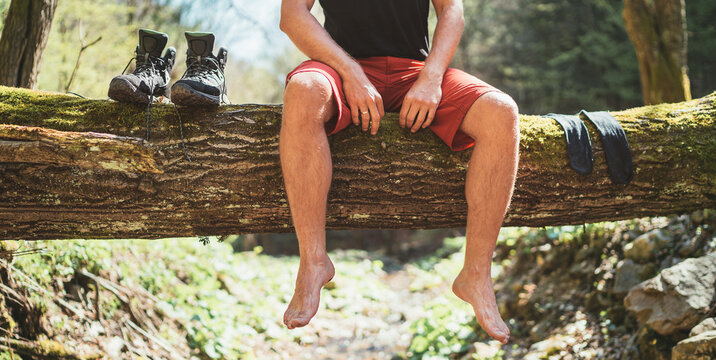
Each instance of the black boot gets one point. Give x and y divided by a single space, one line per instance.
203 83
152 74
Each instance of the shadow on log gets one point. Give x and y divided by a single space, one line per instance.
76 168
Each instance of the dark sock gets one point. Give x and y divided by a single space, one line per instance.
579 147
616 147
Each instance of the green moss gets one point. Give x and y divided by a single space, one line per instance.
6 321
542 140
52 348
70 113
6 355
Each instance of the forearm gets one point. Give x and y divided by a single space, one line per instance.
445 40
314 41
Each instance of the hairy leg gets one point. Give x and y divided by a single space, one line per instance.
494 124
307 170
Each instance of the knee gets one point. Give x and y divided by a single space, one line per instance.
308 88
496 117
308 99
505 113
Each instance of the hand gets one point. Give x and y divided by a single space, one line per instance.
365 102
421 102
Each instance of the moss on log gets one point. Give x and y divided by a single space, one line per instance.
77 168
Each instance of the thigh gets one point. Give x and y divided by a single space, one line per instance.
342 119
460 90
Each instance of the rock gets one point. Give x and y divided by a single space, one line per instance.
699 347
678 298
697 217
704 326
643 248
692 245
548 347
653 346
582 268
669 261
113 347
627 276
486 351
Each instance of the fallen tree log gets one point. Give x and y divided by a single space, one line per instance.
77 168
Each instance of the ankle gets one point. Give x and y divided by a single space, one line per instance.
318 259
476 271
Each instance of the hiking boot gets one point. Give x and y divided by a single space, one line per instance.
152 73
203 83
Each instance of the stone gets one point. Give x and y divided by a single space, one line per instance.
487 351
548 347
689 247
627 276
678 298
113 347
643 248
699 347
704 326
697 217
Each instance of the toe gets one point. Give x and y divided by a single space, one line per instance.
298 322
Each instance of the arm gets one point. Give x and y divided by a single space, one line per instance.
422 99
314 41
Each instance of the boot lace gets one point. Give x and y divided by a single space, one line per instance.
203 67
145 69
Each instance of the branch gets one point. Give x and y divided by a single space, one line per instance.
77 168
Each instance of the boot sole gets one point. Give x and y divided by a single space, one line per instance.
185 95
123 91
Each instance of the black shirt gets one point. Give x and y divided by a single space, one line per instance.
366 28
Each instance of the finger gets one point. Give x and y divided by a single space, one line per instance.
412 114
374 118
379 104
419 119
354 115
364 117
429 119
403 118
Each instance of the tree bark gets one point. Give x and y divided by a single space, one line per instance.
658 31
76 168
23 40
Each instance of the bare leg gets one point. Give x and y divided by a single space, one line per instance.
307 170
494 124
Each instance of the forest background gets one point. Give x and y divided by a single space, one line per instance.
550 55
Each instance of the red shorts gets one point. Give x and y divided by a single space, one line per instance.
393 77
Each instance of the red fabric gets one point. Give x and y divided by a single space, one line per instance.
393 77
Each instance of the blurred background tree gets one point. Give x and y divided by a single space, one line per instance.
23 39
551 55
658 31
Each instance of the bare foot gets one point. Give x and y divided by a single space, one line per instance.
312 275
476 288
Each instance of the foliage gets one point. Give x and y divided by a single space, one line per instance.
447 328
223 304
117 22
551 55
701 28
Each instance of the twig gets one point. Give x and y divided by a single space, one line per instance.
113 288
31 284
79 56
34 349
130 345
157 340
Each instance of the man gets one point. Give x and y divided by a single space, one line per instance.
371 57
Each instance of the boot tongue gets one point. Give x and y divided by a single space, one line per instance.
200 44
152 42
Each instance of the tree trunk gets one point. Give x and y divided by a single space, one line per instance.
657 29
23 40
76 168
